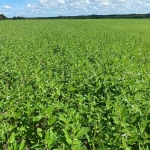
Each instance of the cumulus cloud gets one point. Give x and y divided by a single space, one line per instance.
33 6
7 6
50 3
78 7
105 3
81 7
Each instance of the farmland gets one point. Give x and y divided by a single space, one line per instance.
75 84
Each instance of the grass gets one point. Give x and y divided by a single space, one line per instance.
75 84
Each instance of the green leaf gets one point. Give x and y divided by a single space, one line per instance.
22 145
82 132
15 144
37 118
22 128
62 118
12 138
40 134
2 134
39 130
50 137
52 120
68 139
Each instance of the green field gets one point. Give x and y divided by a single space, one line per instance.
75 84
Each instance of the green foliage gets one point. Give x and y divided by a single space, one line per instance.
2 17
75 84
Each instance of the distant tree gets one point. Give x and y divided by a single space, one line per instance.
18 18
2 17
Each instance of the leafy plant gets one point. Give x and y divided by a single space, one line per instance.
75 84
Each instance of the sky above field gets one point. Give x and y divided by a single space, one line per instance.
49 8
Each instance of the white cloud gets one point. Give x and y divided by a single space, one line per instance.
120 1
81 7
30 6
7 6
33 6
61 1
76 7
50 3
105 3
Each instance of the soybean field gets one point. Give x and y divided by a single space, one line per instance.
75 84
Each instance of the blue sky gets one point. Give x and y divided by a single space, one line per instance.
35 8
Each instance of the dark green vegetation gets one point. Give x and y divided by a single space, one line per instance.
2 17
75 85
94 16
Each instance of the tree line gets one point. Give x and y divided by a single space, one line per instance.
93 16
